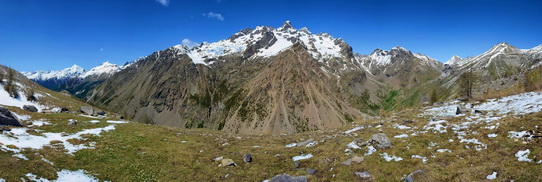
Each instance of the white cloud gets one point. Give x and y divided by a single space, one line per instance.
214 15
163 2
189 43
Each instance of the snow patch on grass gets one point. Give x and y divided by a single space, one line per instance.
389 158
523 155
302 157
66 176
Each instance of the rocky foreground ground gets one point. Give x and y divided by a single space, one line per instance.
496 139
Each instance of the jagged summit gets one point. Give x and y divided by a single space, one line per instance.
264 41
454 60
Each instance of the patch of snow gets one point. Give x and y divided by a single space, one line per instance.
302 157
291 145
517 134
478 145
354 129
444 150
401 136
40 123
523 155
353 145
21 139
93 117
492 176
492 135
66 176
311 144
94 121
436 126
524 103
20 156
21 117
370 150
117 122
424 159
6 100
401 127
389 158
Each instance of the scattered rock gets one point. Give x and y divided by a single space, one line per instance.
311 171
288 178
247 158
461 110
228 162
30 108
414 175
99 112
381 141
72 122
355 159
363 175
8 118
408 121
120 117
476 111
64 110
87 110
297 164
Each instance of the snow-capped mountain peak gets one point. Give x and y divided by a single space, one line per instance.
105 68
70 72
265 42
454 60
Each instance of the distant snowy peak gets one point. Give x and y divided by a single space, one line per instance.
384 57
106 68
75 72
70 72
455 60
264 41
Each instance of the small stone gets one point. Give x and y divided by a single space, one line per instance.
30 108
288 178
311 171
228 162
72 122
247 158
412 176
297 164
357 159
363 175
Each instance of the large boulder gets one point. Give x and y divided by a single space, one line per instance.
30 108
228 162
8 118
381 141
87 110
288 178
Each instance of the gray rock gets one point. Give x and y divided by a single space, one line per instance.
476 111
311 171
412 176
288 178
247 158
72 122
228 162
355 158
8 118
381 141
99 112
363 175
120 117
30 108
64 110
297 164
87 110
461 110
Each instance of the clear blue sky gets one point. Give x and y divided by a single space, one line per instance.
54 34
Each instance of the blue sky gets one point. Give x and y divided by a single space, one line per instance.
54 34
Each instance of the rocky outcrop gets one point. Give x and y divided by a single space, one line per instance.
8 118
30 108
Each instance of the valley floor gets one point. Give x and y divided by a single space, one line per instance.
501 141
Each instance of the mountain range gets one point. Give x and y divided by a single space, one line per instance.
279 80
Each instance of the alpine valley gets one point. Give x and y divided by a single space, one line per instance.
282 81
